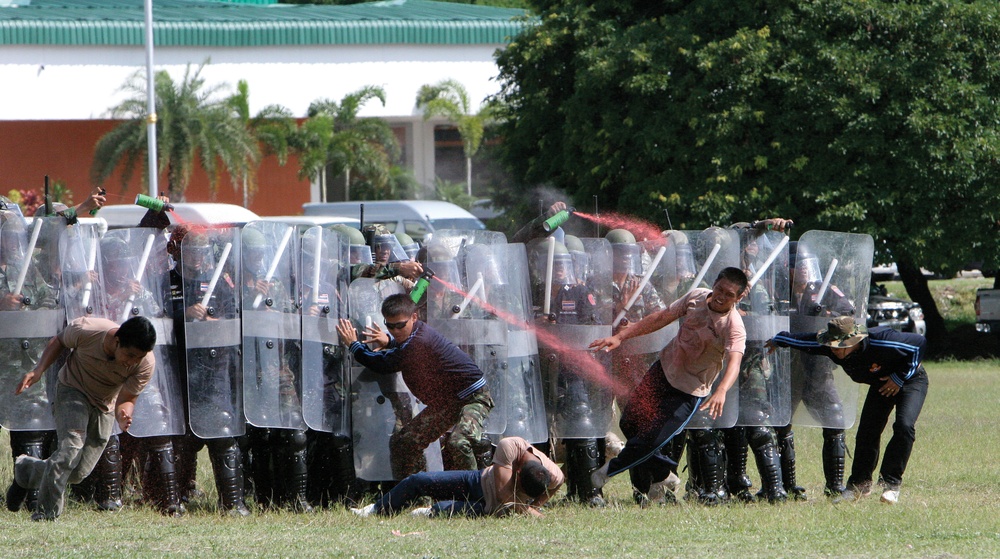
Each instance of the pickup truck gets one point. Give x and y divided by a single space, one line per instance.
987 310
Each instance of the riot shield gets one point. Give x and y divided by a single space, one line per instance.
82 277
380 404
137 281
636 296
765 378
712 250
573 313
210 269
325 367
477 323
272 379
830 277
30 314
525 401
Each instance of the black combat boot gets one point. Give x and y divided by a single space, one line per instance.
763 441
36 444
295 470
583 456
834 457
737 481
108 477
786 447
159 479
708 454
227 464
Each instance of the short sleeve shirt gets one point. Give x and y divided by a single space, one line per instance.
693 359
507 452
89 369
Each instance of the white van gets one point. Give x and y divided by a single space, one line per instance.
314 220
416 218
198 213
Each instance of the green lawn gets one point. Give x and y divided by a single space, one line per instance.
949 508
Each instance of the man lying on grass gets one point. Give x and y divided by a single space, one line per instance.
521 479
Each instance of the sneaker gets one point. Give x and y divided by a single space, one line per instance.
364 511
613 445
890 496
599 477
854 492
663 491
15 496
420 511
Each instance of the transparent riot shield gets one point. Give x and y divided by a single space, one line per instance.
272 350
325 367
476 318
712 250
571 313
765 378
525 401
210 268
136 275
380 404
30 314
637 294
83 284
830 278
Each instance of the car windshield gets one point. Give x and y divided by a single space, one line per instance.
460 223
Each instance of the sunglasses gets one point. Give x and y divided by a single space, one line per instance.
397 325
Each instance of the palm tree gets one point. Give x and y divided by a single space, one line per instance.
272 129
334 140
449 99
192 125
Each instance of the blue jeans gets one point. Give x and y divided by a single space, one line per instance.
874 415
82 431
457 492
656 413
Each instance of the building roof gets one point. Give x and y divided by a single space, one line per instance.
244 23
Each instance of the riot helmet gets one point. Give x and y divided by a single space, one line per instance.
410 247
13 239
806 267
581 260
115 260
479 259
197 255
441 261
315 250
627 254
359 251
254 252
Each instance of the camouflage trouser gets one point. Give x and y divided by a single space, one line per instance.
465 419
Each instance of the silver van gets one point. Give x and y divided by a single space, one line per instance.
416 218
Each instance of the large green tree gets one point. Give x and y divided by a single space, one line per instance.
876 117
335 141
195 124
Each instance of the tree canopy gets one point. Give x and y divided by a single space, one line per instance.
875 117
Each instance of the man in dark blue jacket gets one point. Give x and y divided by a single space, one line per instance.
437 372
890 362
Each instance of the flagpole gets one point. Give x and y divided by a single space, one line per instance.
150 102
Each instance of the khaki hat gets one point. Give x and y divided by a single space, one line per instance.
842 332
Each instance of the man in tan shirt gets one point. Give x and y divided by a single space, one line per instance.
107 368
521 479
680 382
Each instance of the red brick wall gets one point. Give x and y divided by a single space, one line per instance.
63 150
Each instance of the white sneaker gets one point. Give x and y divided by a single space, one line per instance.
599 477
364 511
421 511
890 496
613 445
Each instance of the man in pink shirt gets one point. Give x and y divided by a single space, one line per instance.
676 386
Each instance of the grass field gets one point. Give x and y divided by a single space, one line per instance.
950 507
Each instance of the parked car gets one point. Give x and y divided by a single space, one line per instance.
900 314
416 218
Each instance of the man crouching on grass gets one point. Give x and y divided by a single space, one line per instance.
107 367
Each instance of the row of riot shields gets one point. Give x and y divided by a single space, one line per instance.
261 304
